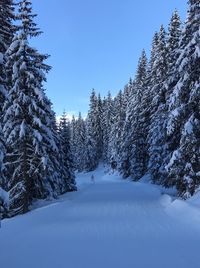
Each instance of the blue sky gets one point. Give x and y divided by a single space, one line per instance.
96 44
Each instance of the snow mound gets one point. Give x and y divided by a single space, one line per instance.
165 200
180 210
195 200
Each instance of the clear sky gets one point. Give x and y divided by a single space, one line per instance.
96 44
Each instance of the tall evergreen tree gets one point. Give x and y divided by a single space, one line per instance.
115 137
173 40
153 57
138 158
107 124
94 132
99 126
28 118
80 142
6 34
184 121
67 165
134 137
126 146
157 129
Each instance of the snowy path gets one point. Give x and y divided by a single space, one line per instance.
109 224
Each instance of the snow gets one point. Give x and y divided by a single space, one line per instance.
23 66
4 197
188 128
22 130
1 58
108 223
13 46
175 156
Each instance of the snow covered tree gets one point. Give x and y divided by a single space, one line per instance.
72 138
94 132
134 147
67 165
107 124
126 145
115 137
138 158
99 126
80 153
184 120
6 34
151 71
173 40
157 129
28 118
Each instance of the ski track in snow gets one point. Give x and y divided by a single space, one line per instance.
110 223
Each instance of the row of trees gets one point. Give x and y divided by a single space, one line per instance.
35 154
153 126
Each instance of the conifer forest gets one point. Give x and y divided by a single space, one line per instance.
149 131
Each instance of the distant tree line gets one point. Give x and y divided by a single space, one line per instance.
35 153
152 127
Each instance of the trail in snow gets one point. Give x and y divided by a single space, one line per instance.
110 223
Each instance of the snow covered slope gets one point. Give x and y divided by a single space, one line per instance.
110 223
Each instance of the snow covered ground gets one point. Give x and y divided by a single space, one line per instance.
110 223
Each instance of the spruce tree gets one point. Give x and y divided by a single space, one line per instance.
6 34
107 124
94 132
134 137
72 139
173 40
157 146
115 137
99 127
67 165
80 142
126 145
138 158
28 118
184 120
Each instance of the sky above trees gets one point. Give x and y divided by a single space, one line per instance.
96 44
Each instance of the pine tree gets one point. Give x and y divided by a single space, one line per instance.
184 121
99 126
107 124
94 132
6 34
72 139
28 118
151 71
157 129
80 141
67 165
134 137
138 157
115 137
173 40
129 98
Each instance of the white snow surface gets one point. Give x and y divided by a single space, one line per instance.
108 223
